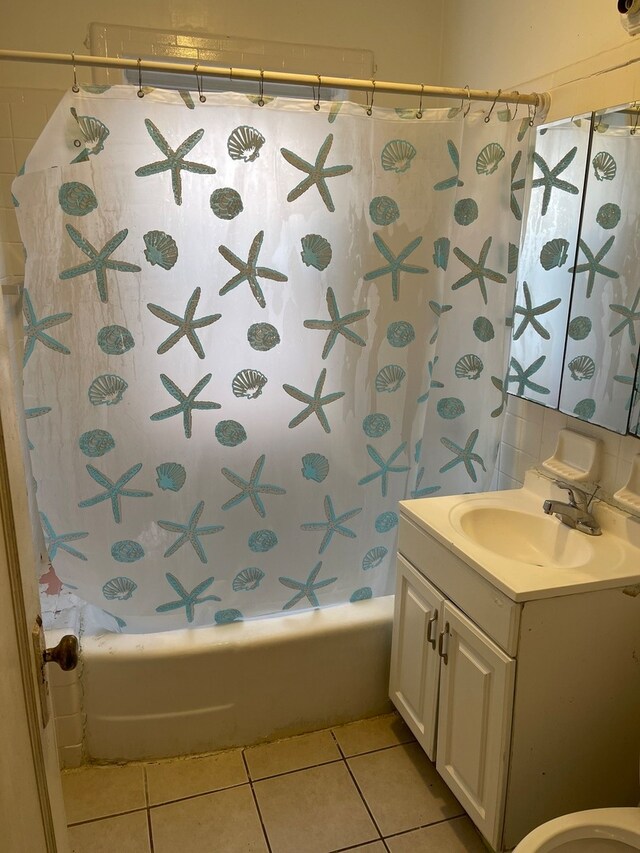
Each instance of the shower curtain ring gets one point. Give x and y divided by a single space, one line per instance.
532 118
466 112
261 89
517 105
373 92
140 93
75 87
316 106
201 97
487 118
419 113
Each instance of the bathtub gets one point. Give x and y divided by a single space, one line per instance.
150 696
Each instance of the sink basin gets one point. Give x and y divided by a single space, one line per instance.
538 540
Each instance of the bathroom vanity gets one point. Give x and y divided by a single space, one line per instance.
516 655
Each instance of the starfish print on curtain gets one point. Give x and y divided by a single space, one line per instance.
333 524
174 161
114 491
530 314
464 455
306 589
54 540
188 600
631 315
34 329
315 402
337 325
187 403
317 173
249 271
99 260
190 532
187 325
251 488
396 264
593 265
478 270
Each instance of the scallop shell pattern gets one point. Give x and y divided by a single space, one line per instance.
127 551
262 337
161 249
171 476
226 203
585 409
77 199
226 617
248 383
374 557
361 594
315 467
489 158
400 334
469 367
441 248
450 408
389 378
247 579
376 425
316 251
96 442
383 210
115 340
604 166
262 540
230 433
94 132
107 390
245 143
397 155
582 367
386 521
554 253
120 588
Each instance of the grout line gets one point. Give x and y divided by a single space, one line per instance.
105 817
255 800
146 797
150 831
353 779
195 796
297 770
428 825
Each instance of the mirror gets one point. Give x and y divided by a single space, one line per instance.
576 326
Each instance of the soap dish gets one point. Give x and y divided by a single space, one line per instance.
629 494
576 457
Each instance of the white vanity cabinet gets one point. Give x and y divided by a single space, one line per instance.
529 709
453 685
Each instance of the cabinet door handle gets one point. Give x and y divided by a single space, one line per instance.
432 629
443 644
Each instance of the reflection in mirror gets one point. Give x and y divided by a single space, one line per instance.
602 344
547 258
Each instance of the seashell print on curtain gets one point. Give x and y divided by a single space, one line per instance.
250 332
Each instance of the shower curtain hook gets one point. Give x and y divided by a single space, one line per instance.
261 98
201 97
634 129
466 112
373 92
532 118
75 87
316 106
419 113
140 93
487 118
517 105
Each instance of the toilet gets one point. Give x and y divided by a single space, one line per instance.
614 830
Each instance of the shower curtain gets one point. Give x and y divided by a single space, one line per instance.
249 332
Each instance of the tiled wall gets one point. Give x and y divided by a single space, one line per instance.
529 437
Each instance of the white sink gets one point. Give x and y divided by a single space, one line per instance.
538 540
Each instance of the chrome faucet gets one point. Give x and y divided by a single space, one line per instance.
575 513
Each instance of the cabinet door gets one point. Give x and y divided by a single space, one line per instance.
414 659
476 701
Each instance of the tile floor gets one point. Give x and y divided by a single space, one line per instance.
366 786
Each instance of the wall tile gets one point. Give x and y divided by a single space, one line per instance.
5 118
22 148
6 179
514 463
9 232
70 756
69 729
7 158
28 119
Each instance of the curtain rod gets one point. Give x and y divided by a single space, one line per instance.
541 101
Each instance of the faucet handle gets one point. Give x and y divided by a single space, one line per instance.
575 495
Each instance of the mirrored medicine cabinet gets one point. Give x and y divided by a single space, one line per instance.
576 323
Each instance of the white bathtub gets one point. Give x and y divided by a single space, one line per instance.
199 690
